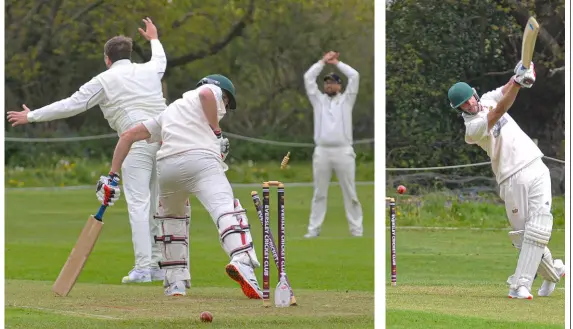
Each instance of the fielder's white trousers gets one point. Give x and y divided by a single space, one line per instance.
139 178
527 191
194 172
341 160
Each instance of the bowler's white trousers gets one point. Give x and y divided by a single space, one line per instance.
341 160
139 178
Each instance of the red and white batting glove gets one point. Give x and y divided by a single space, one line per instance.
105 192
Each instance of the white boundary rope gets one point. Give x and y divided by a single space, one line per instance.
105 136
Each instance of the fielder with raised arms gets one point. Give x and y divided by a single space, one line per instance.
127 93
523 178
333 138
190 162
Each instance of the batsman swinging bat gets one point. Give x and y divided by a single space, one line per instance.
528 43
80 253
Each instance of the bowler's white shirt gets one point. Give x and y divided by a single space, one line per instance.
332 115
127 93
183 126
508 147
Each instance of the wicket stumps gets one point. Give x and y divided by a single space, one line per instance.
393 238
263 212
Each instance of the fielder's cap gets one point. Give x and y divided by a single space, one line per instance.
334 77
459 93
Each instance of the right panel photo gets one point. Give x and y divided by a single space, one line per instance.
476 178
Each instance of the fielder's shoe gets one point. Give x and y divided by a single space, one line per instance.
547 287
520 293
157 274
312 234
137 276
245 276
176 289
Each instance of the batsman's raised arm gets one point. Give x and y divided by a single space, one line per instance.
89 95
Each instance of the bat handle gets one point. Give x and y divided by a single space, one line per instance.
102 208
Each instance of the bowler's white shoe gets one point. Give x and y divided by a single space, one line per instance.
245 276
137 276
547 287
157 274
520 293
176 289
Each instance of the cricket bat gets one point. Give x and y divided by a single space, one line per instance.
80 253
528 43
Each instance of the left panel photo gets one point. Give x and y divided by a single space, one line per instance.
169 163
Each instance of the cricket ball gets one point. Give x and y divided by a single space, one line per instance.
401 189
206 317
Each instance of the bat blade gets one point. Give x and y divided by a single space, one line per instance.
528 43
78 257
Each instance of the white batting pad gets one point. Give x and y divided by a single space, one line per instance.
235 236
547 269
535 238
175 249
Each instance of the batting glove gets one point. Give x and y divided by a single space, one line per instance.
223 143
105 192
524 77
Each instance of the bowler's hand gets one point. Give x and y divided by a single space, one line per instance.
150 32
18 118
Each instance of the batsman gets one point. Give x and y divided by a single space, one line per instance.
191 161
524 180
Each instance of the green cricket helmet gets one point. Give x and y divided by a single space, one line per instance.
460 93
224 83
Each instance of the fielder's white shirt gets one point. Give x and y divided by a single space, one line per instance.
183 126
127 93
508 147
332 115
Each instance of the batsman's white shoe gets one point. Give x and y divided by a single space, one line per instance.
520 293
547 287
245 276
157 274
176 289
137 276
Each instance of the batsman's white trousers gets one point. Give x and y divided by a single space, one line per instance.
527 191
341 160
140 187
194 172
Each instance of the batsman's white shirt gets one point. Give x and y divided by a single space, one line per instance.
508 147
183 126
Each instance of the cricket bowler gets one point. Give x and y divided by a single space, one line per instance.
523 178
333 142
127 93
191 161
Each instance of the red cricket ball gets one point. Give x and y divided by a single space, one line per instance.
206 317
401 189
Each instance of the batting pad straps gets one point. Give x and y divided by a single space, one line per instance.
175 241
235 236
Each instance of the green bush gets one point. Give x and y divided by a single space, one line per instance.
74 172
